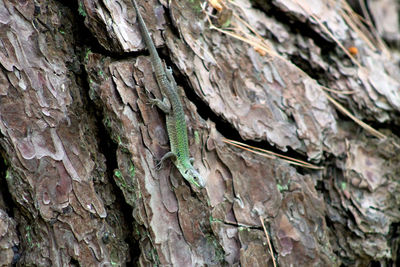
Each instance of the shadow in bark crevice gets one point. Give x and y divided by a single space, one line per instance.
108 148
84 41
394 234
7 202
5 194
294 25
224 127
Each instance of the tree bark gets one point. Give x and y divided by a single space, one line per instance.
80 142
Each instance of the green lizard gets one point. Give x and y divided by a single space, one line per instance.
171 105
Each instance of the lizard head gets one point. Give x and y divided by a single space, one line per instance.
193 177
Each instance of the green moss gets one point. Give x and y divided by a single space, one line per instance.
119 179
81 10
29 236
212 220
8 175
196 5
114 257
132 170
219 255
242 228
137 232
87 53
343 185
155 257
119 140
282 188
118 174
107 122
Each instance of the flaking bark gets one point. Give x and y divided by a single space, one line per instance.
80 142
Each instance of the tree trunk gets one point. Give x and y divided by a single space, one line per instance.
80 143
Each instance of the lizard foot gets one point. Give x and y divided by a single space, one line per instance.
152 101
164 104
167 155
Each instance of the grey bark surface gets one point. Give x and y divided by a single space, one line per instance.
80 142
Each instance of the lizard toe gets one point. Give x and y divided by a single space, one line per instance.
159 165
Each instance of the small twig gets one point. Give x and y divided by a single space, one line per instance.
358 121
371 26
349 92
328 32
271 155
269 242
265 47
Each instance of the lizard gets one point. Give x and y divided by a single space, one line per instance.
172 106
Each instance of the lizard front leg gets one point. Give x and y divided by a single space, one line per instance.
170 76
168 72
168 155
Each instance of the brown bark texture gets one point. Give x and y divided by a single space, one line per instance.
80 143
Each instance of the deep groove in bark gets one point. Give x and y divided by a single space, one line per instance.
4 190
9 204
223 126
295 26
85 40
327 48
109 148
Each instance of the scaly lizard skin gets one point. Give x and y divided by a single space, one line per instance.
171 105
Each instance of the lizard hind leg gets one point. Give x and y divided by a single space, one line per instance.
168 155
164 104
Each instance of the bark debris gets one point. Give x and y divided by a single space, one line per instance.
80 142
